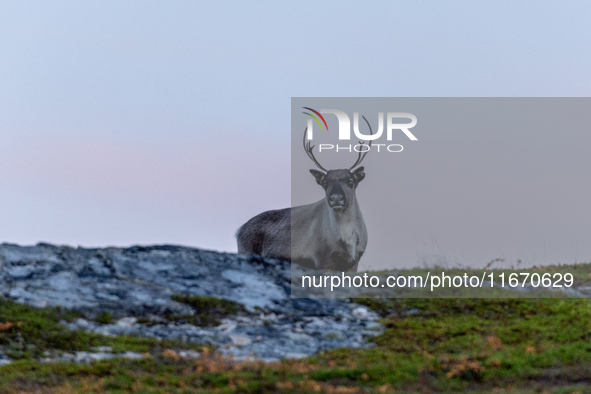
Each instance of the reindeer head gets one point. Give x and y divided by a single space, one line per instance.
339 185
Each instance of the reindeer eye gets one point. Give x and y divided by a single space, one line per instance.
324 184
351 184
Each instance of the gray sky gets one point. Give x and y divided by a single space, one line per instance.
143 122
487 178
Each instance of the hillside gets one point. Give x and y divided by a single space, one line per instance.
169 319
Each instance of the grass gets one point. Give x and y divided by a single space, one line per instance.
207 310
27 332
105 318
449 345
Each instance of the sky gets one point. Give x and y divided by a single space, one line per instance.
488 179
143 122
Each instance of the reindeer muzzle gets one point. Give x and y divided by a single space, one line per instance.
336 202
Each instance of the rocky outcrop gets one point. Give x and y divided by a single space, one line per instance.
135 286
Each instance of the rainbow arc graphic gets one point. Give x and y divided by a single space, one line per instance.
315 118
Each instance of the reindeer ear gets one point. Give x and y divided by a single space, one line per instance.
319 175
359 174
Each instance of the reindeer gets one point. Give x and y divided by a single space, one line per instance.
328 234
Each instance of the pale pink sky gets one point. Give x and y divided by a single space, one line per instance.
97 191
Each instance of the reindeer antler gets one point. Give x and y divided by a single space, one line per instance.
308 150
363 154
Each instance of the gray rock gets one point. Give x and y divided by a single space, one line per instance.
4 359
240 340
139 282
22 271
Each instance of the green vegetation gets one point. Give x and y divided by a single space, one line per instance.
208 310
105 318
444 345
27 332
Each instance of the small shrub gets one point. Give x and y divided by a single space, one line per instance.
121 382
104 318
208 310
